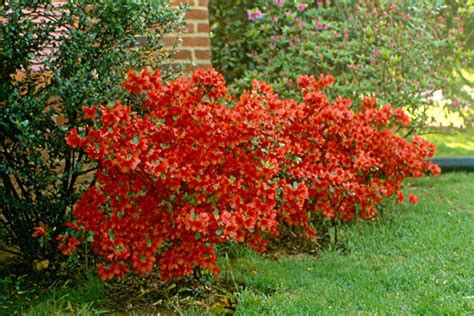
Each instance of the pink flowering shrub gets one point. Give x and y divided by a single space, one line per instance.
401 53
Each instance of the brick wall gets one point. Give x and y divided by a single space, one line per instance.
195 46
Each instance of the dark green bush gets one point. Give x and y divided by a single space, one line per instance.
55 60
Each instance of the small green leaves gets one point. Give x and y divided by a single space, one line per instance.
135 140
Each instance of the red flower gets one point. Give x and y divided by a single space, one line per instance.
89 112
413 199
73 139
400 197
68 244
41 230
402 117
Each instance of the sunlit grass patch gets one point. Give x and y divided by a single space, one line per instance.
456 142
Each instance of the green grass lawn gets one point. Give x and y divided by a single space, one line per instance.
411 260
453 143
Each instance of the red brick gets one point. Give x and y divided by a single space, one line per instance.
183 54
196 41
169 40
203 28
203 54
189 28
197 14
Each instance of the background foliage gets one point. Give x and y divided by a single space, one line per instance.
399 51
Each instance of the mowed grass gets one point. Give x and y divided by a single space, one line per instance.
412 260
85 297
456 142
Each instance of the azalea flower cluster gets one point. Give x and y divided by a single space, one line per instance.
195 167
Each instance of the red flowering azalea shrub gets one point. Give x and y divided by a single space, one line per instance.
188 172
351 161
